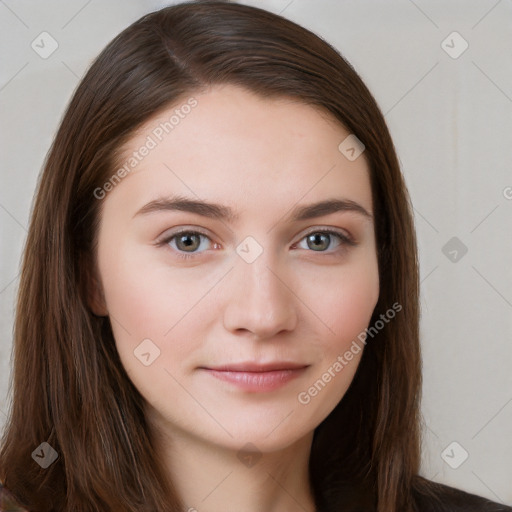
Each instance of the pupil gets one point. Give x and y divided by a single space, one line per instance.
185 240
315 238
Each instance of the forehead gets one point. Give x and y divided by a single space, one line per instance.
230 145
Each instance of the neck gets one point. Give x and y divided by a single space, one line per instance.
212 478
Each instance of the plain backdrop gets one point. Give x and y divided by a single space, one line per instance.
441 72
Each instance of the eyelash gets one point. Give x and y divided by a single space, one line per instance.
344 240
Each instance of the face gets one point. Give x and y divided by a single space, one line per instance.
230 319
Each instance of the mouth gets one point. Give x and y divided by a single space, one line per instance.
257 378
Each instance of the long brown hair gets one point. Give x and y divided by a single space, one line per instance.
69 388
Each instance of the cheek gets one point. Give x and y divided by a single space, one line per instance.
344 301
152 301
133 302
142 309
346 308
351 308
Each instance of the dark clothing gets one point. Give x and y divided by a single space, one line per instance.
449 499
439 498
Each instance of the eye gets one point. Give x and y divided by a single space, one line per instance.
185 241
320 239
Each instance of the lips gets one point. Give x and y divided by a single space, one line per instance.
255 367
256 378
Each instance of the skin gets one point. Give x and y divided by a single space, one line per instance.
261 157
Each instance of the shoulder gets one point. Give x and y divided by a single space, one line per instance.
432 496
8 503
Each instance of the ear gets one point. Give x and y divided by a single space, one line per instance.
94 290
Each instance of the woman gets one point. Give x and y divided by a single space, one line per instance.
219 293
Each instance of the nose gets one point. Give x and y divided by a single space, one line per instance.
260 299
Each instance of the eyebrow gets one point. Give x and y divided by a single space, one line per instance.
225 213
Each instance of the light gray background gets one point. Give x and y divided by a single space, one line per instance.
451 120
